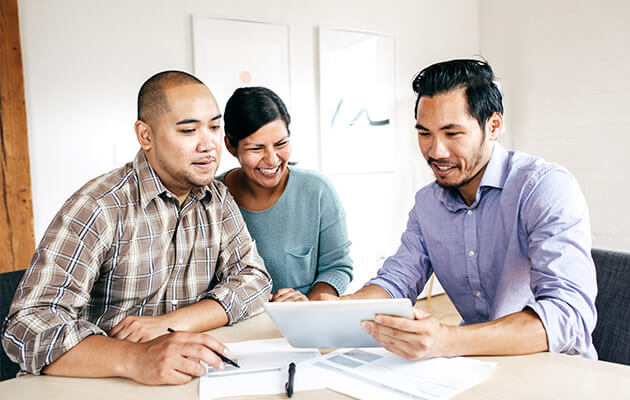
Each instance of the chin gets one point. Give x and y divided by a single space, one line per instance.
203 181
449 184
269 184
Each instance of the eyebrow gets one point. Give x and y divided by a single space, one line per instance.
194 121
445 127
452 126
260 144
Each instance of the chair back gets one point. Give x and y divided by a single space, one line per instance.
8 284
611 336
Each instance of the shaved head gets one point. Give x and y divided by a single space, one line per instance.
152 102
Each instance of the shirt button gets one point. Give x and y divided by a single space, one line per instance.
174 302
478 293
471 253
469 212
181 260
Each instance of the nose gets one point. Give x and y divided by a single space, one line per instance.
438 149
206 141
270 157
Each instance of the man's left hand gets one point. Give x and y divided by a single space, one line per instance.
414 339
139 329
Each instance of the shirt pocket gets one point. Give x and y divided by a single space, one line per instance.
300 268
201 272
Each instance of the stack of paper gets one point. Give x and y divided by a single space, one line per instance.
375 373
264 370
366 373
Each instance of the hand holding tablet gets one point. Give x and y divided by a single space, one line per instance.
333 323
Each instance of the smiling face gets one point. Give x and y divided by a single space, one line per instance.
264 154
456 148
183 145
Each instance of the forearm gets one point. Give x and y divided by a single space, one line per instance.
319 289
369 292
518 333
199 317
168 359
96 356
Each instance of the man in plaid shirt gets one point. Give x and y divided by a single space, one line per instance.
156 244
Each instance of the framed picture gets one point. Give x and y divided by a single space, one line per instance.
229 54
356 74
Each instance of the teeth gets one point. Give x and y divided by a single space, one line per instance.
268 171
443 168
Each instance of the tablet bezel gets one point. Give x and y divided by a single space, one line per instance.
332 324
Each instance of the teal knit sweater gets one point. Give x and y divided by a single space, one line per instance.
303 238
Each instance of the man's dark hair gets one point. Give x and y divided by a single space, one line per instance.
151 99
248 109
475 76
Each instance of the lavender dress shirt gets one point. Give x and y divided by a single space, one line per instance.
525 242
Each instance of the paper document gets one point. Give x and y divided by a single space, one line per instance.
264 370
378 374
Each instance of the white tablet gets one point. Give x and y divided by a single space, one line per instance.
332 323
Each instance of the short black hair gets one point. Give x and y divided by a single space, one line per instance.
475 76
249 108
151 99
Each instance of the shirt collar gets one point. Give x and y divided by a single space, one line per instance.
151 185
494 176
497 169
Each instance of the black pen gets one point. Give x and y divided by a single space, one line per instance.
289 385
221 356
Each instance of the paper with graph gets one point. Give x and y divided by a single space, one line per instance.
375 373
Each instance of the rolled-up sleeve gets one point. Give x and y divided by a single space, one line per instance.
405 273
43 322
563 279
243 283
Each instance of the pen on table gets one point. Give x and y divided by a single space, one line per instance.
289 385
221 356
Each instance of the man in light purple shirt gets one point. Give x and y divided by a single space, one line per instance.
507 235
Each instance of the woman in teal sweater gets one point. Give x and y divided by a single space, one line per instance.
294 215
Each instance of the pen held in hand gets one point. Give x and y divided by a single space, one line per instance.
221 356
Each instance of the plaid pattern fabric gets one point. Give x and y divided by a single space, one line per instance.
122 245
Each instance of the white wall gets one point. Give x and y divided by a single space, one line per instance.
84 62
564 69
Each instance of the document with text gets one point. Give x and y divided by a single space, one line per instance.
375 373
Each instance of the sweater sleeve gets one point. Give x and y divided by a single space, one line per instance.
334 265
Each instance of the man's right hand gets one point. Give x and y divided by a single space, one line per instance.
170 359
173 359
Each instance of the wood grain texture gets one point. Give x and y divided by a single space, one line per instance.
17 242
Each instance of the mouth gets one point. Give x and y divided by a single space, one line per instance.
205 164
442 170
269 172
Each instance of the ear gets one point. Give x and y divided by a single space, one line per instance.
229 147
494 125
144 134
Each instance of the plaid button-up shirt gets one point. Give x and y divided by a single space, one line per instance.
122 245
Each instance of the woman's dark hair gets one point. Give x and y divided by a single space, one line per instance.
249 108
475 76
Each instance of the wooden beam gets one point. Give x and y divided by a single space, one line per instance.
17 242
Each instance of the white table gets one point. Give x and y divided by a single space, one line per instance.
544 376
